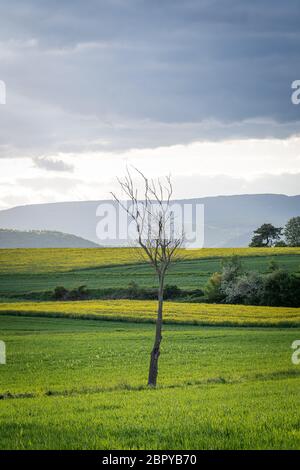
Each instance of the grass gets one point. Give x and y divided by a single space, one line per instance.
74 381
81 385
237 416
174 312
188 274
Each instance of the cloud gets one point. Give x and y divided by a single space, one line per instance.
199 88
188 187
199 169
128 74
52 164
43 189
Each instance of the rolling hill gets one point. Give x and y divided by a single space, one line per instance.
229 220
10 238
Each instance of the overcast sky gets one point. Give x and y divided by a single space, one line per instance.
200 89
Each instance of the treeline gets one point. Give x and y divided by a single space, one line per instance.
233 285
132 292
268 235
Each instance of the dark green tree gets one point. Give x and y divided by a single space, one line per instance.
280 244
292 231
281 288
266 235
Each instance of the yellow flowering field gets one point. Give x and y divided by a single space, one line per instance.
35 260
175 312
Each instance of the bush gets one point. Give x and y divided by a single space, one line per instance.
213 288
247 289
195 293
79 293
280 243
231 269
133 290
60 293
276 288
281 289
272 266
172 292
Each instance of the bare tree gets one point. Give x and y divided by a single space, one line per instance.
155 234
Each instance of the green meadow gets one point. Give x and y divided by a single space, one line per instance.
76 372
80 384
21 277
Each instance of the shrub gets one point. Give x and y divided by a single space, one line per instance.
79 293
280 243
133 290
276 288
172 292
281 289
272 266
231 269
246 289
213 288
60 293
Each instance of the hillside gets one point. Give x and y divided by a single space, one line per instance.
229 220
41 239
27 273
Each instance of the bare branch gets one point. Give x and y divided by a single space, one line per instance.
152 217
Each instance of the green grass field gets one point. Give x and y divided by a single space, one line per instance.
74 380
81 384
23 271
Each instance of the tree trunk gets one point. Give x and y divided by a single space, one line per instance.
153 369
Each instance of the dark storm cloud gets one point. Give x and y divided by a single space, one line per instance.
116 74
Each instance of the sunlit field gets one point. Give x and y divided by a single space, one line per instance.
174 312
76 372
82 385
22 260
41 270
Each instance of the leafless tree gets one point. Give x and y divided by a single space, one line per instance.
155 234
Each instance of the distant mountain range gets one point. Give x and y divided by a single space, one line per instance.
229 220
41 239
